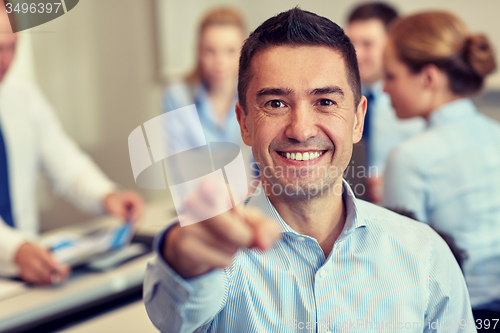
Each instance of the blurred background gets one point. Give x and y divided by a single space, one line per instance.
104 66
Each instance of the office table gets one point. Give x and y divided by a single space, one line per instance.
83 290
43 304
131 318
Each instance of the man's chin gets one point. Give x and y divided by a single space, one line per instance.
300 188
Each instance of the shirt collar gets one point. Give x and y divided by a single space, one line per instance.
451 112
352 220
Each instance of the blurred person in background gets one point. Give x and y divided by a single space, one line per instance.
449 175
383 131
32 140
212 85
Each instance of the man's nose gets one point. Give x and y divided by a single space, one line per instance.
302 125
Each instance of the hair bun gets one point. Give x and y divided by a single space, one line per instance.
479 54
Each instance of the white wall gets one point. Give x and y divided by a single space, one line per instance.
179 20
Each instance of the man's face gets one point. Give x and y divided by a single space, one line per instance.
7 43
300 103
369 38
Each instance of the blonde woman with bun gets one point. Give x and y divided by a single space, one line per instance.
449 176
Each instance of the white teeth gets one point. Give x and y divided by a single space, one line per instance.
302 156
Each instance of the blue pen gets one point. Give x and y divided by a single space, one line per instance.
122 235
61 245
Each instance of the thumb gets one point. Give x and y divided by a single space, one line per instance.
54 264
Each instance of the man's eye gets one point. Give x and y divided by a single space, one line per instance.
275 103
326 102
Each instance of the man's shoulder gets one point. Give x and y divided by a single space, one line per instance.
401 238
21 95
393 225
17 86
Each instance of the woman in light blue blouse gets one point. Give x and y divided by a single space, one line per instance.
212 85
449 176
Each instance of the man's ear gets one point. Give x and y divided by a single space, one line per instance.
242 120
359 120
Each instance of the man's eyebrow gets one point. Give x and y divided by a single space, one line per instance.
274 91
327 90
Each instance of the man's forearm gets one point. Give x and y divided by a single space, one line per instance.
175 304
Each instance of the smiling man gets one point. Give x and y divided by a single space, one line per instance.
304 253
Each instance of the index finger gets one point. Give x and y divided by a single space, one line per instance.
230 227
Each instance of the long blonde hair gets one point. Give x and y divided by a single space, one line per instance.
216 16
442 39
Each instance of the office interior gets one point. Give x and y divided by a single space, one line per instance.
103 66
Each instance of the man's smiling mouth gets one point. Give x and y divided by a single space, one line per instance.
302 156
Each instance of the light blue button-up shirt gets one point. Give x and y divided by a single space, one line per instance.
386 130
449 177
385 273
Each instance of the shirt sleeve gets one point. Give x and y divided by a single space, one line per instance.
175 304
405 186
10 241
448 306
71 172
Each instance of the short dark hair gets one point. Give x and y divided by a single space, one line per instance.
374 10
297 27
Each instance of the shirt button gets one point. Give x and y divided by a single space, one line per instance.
204 285
322 274
301 239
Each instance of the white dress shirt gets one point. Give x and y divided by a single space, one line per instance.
36 142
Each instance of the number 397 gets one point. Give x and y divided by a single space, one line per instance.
33 8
